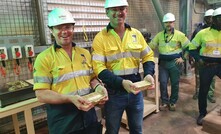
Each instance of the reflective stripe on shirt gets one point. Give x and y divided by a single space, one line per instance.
81 92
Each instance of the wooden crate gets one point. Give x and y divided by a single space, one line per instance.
212 121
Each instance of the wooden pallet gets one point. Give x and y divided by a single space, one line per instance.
212 121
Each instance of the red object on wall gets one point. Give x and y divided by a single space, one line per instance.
3 56
18 54
30 53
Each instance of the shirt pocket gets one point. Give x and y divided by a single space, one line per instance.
59 70
134 47
111 50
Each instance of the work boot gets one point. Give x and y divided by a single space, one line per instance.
211 99
195 96
200 119
163 107
172 107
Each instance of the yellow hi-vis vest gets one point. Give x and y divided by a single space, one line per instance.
170 44
122 57
209 40
54 70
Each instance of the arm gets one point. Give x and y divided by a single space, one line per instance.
148 64
154 43
99 65
51 97
194 45
184 44
98 86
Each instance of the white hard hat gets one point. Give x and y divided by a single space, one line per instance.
168 17
59 16
209 12
217 11
115 3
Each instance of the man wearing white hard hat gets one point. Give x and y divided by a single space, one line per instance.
207 23
171 44
117 52
209 58
62 75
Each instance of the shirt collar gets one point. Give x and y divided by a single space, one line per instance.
109 27
215 27
56 46
171 32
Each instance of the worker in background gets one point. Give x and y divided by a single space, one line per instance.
62 75
117 52
170 44
208 22
147 36
209 58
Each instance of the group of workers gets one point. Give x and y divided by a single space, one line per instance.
64 72
205 48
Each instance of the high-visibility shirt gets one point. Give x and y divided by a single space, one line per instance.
120 57
170 46
209 41
54 70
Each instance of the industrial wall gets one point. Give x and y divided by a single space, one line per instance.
21 24
24 22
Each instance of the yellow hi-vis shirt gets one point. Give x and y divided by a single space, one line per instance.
122 57
169 44
209 40
54 70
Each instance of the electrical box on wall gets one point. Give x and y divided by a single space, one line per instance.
29 51
3 54
16 52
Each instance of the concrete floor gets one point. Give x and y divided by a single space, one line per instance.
181 121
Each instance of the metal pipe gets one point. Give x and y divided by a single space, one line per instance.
185 14
42 34
189 18
159 11
185 24
194 8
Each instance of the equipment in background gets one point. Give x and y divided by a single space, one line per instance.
29 52
147 36
3 58
13 92
16 54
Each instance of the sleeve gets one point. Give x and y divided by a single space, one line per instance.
89 59
41 75
99 67
98 56
194 45
184 41
147 56
148 68
196 42
154 42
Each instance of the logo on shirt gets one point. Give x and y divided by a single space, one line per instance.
134 38
84 61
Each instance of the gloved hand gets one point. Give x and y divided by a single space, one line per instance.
150 79
102 90
130 87
80 102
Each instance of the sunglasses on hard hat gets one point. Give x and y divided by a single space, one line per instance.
117 9
64 27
